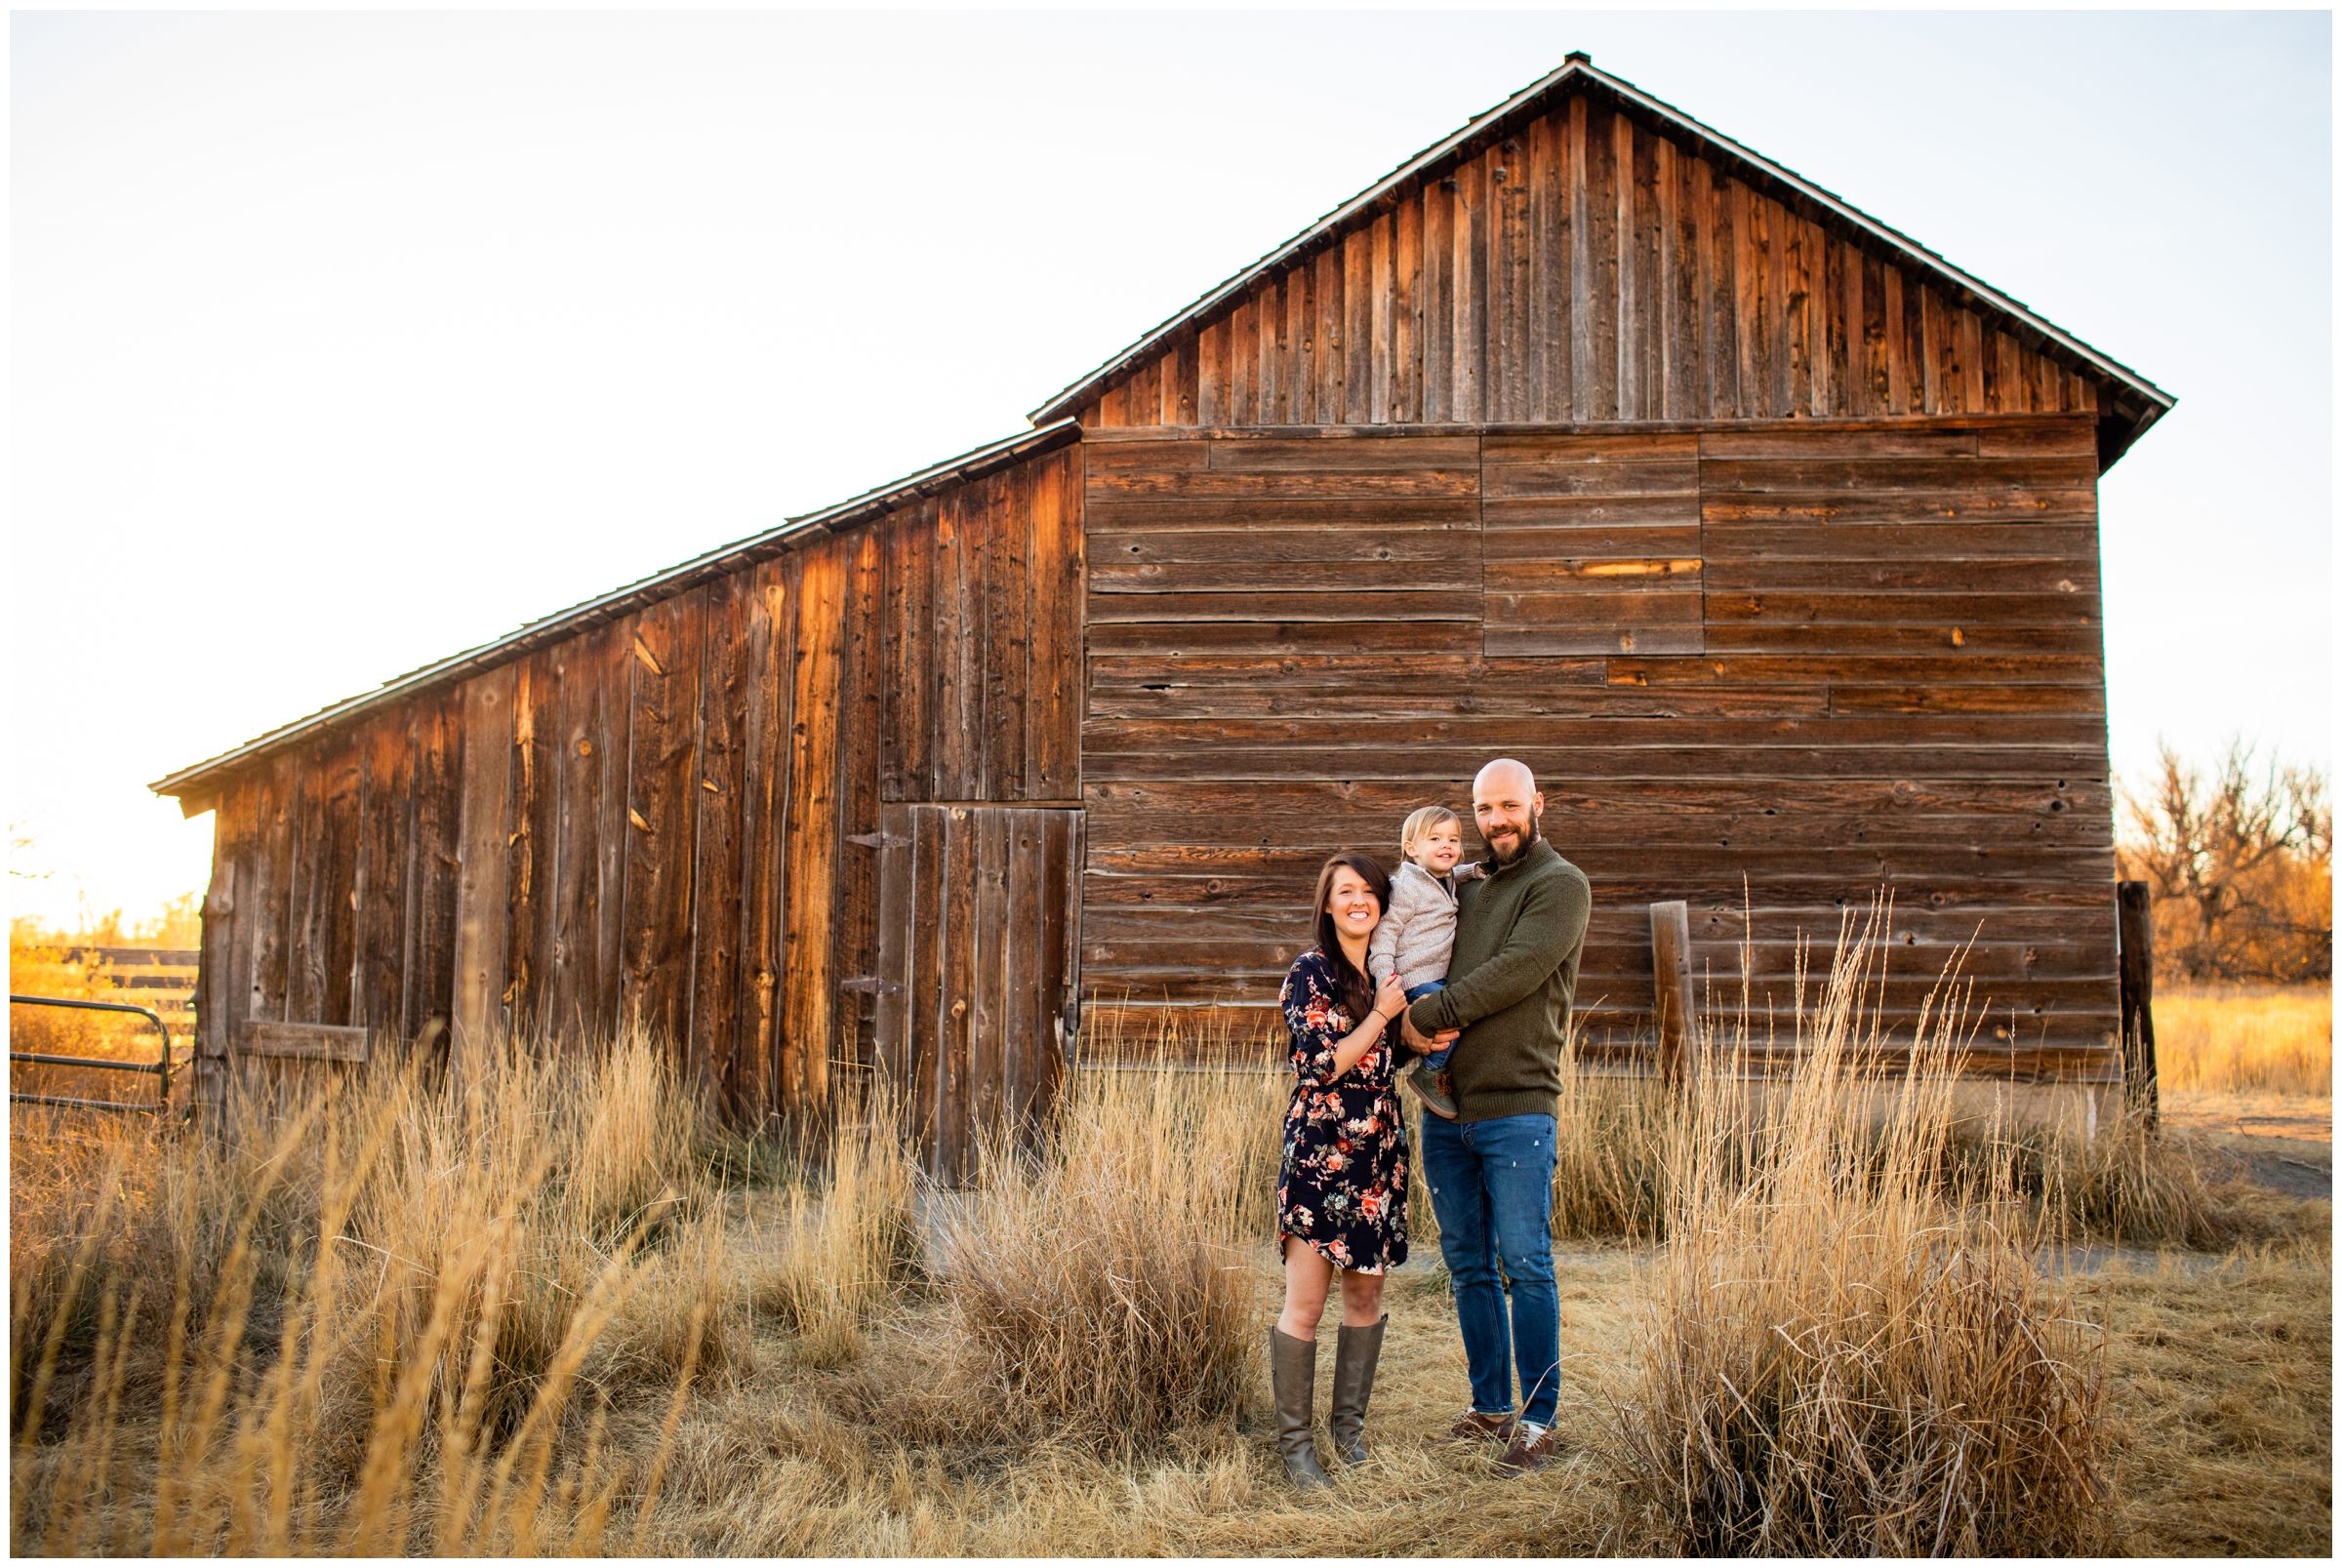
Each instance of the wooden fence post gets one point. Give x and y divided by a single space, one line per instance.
1670 972
2134 934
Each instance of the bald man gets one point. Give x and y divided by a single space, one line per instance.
1510 984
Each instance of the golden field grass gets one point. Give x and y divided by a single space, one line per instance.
562 1313
2245 1040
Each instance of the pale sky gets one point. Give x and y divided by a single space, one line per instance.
340 343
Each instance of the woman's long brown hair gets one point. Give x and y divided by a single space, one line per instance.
1356 992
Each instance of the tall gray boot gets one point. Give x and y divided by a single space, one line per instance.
1356 1351
1293 1370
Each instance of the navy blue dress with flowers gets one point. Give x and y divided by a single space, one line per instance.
1343 1187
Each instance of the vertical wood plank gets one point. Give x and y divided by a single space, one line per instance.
891 1037
719 796
1474 221
309 866
481 904
958 648
1438 321
1276 353
1603 178
1971 362
1181 374
221 992
1056 553
907 758
991 1056
662 784
1302 351
1244 361
1007 589
430 989
1549 269
754 1088
1633 302
535 816
925 1004
1025 967
1332 360
1580 266
1513 252
264 912
1866 362
588 778
1406 310
1381 301
1211 373
1898 367
384 872
955 957
862 703
1671 355
1721 253
808 974
1357 327
338 951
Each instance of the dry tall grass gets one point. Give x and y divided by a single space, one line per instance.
2246 1039
561 1314
1850 1347
1098 1283
365 1321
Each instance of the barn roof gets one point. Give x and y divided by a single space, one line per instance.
187 783
2144 404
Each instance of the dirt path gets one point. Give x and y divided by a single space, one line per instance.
2286 1143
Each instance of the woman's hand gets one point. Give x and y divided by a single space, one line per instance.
1390 998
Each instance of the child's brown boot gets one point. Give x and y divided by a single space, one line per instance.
1431 1089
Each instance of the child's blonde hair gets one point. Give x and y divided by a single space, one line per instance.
1421 821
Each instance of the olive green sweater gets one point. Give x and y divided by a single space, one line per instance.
1510 986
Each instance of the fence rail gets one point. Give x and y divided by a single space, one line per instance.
160 1067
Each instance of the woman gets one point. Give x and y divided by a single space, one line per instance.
1342 1193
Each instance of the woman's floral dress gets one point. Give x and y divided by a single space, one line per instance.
1343 1184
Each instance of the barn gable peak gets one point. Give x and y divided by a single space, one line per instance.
1471 261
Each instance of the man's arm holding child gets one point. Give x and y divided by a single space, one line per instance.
1553 919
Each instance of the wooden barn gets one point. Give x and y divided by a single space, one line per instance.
1767 537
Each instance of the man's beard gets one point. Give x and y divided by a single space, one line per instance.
1527 840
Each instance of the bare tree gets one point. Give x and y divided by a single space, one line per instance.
2239 863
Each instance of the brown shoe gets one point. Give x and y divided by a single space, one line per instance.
1480 1425
1528 1453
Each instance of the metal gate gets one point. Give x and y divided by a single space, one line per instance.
979 975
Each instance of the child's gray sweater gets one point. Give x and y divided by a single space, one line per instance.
1417 932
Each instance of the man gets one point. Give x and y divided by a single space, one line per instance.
1510 984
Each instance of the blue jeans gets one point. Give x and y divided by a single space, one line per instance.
1436 1060
1493 1188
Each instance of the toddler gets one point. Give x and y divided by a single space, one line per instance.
1417 932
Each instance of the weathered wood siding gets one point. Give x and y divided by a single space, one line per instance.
655 817
332 897
1769 668
1588 268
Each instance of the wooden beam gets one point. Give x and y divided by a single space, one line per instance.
2134 928
1671 970
312 1042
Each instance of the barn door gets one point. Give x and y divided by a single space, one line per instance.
978 929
